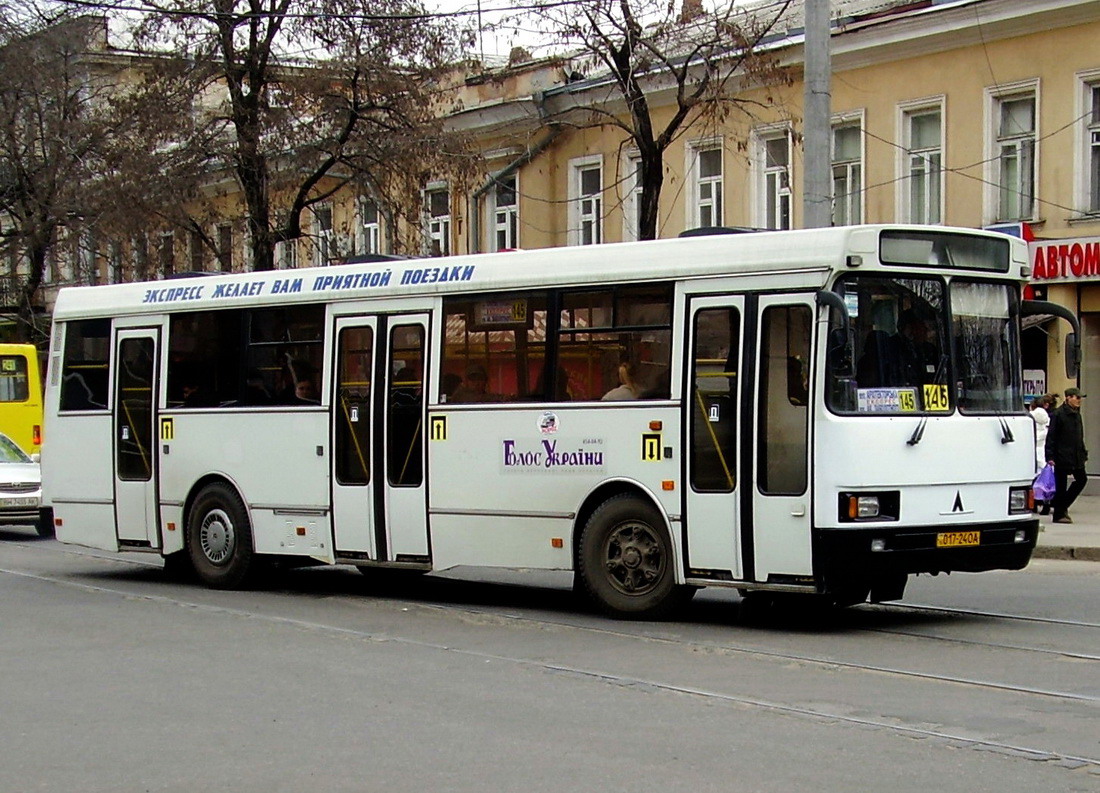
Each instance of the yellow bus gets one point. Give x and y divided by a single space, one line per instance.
21 396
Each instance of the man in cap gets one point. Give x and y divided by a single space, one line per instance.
1065 450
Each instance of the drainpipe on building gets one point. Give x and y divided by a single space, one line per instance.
509 169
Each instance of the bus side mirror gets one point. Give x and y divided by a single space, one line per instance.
839 354
1073 355
1073 339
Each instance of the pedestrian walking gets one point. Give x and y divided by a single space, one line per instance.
1040 414
1065 450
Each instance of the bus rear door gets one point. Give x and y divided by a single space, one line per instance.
135 440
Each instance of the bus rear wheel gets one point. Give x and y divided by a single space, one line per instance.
626 562
219 538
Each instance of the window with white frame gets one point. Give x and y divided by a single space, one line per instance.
707 188
1014 155
631 192
370 227
773 161
286 254
847 157
323 247
923 165
586 201
114 262
1092 142
437 205
505 214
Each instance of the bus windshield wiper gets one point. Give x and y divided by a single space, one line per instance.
918 433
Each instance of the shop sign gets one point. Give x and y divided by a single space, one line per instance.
1065 261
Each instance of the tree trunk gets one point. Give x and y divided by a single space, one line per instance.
651 178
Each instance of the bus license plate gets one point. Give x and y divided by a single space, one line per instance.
952 539
25 501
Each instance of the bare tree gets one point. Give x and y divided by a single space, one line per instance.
59 123
302 98
647 49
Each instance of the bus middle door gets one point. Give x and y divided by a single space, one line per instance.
379 500
135 440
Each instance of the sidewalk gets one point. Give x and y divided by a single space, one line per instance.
1077 540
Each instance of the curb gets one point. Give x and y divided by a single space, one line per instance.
1087 554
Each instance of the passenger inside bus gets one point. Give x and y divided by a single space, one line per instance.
476 387
628 387
304 390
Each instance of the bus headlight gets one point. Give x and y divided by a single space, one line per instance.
855 507
1019 500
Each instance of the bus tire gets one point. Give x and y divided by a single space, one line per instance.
219 538
625 561
44 525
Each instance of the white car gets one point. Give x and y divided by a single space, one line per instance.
20 488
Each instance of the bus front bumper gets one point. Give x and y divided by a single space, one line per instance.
887 549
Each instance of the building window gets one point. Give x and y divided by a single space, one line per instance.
438 206
225 248
323 248
114 267
166 260
706 175
197 252
847 175
1014 152
505 215
773 159
632 196
923 168
140 249
1093 142
286 254
370 228
586 202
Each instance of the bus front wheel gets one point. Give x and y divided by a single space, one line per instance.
626 562
219 538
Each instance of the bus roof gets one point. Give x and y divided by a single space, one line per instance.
817 251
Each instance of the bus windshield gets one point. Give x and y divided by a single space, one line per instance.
904 358
985 341
898 331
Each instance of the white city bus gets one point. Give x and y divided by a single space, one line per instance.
821 412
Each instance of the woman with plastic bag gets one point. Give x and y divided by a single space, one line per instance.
1043 487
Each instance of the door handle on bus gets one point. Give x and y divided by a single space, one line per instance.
799 510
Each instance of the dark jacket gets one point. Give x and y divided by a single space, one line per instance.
1066 439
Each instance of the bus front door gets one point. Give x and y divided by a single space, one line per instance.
780 520
712 406
135 443
379 498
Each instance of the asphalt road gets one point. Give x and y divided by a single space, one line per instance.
115 678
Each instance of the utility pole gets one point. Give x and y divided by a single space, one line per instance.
817 207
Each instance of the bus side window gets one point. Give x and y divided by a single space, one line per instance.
84 383
716 335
